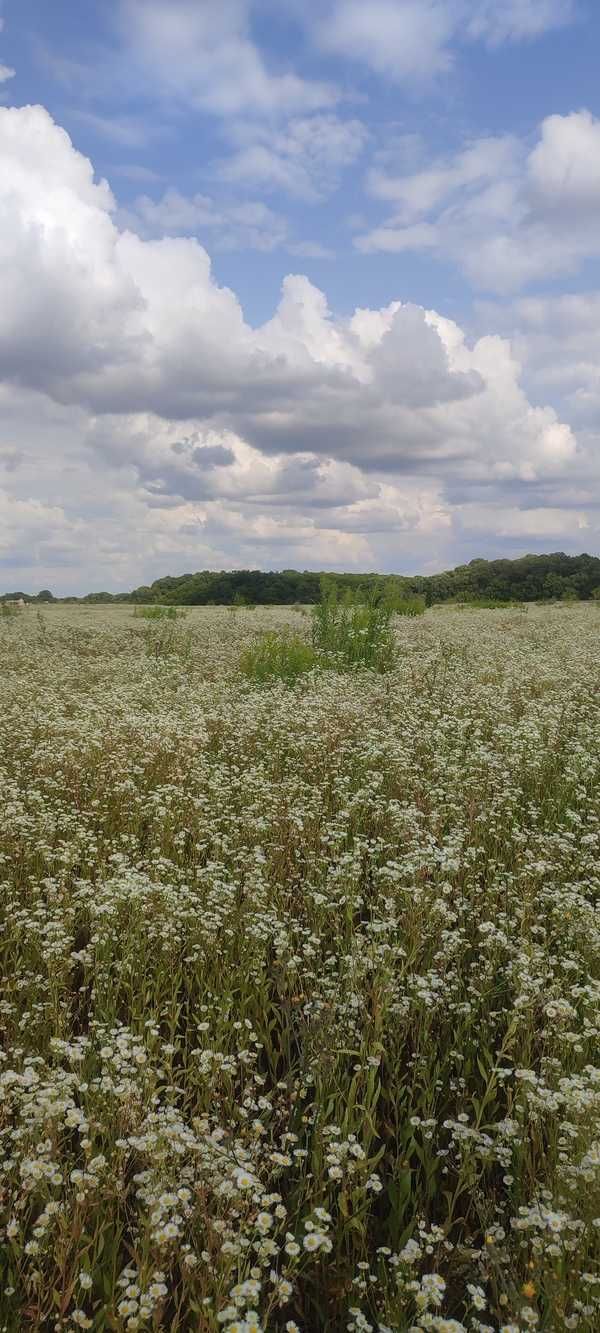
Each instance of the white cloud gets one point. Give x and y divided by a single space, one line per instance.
231 226
548 524
401 39
474 167
564 167
517 20
209 56
507 216
204 55
227 225
42 530
96 316
411 41
139 403
558 342
305 158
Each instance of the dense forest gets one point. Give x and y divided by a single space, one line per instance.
533 578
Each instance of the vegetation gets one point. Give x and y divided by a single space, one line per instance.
158 612
488 604
352 633
299 988
534 578
408 606
346 634
286 656
165 637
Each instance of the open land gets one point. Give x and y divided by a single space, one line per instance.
300 982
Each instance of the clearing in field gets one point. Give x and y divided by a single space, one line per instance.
300 975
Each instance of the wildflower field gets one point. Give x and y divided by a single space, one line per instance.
300 978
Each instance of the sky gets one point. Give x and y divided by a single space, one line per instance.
307 284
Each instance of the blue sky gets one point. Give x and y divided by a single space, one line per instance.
310 284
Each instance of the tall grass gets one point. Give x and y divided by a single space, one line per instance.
347 633
408 606
159 612
351 633
489 604
281 656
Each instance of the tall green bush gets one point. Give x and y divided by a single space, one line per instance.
353 633
283 656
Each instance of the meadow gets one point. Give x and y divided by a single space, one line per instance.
300 977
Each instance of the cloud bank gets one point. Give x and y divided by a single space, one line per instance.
145 425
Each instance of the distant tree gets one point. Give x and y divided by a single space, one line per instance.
531 578
142 594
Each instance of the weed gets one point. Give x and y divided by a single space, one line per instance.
277 656
350 633
159 612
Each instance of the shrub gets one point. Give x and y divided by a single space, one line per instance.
283 656
408 606
349 633
159 612
487 604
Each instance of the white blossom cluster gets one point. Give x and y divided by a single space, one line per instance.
300 984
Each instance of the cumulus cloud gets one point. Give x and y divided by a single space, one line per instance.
99 316
42 529
563 171
557 339
184 434
506 215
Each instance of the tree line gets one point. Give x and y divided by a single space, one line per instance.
532 578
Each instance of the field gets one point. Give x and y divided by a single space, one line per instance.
300 982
